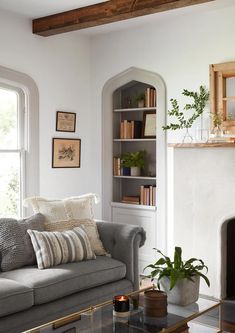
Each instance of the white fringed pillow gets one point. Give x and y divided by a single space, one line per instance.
69 213
55 248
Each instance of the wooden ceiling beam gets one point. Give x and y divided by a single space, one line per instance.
103 13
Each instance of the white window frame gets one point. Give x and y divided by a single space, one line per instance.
22 144
29 99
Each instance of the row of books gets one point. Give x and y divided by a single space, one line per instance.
117 166
147 196
130 129
150 97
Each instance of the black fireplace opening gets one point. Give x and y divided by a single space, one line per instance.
231 259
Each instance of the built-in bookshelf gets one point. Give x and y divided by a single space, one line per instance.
140 199
128 136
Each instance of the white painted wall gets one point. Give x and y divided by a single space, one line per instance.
60 66
178 45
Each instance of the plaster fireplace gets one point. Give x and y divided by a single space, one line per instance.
202 187
228 259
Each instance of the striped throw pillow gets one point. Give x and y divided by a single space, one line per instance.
55 248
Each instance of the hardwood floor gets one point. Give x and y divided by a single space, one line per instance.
228 316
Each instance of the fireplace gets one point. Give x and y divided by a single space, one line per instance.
230 260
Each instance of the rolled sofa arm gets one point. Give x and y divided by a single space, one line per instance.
123 241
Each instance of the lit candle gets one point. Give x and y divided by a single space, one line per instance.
121 303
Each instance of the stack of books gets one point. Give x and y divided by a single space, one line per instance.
117 166
130 129
131 200
148 195
150 97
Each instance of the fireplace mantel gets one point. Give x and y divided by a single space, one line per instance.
203 145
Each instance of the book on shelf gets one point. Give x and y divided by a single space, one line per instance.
117 166
131 200
148 195
130 129
150 97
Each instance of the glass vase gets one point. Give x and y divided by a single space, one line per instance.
187 137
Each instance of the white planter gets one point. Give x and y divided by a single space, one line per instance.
185 291
135 171
141 104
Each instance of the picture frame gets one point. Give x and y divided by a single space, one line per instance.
65 121
149 124
66 153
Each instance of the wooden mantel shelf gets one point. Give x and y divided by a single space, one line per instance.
203 145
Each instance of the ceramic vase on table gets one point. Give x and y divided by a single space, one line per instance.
185 291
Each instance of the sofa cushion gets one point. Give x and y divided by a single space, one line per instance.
55 248
70 213
15 244
14 297
56 282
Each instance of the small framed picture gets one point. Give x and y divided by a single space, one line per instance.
66 153
65 121
149 124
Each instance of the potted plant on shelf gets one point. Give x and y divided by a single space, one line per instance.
140 99
198 105
133 161
179 279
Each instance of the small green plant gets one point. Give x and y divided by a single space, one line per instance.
176 269
136 159
140 97
199 103
217 119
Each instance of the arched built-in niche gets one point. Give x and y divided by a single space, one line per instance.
154 80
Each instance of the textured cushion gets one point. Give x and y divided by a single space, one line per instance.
66 279
55 248
70 213
14 297
15 244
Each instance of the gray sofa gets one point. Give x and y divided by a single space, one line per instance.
30 297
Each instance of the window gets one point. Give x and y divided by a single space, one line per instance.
12 151
19 142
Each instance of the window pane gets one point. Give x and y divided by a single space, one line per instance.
9 184
8 119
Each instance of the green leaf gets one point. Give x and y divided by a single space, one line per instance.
177 257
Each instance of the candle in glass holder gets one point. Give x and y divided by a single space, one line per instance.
121 305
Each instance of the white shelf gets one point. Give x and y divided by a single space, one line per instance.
133 206
135 140
133 177
135 109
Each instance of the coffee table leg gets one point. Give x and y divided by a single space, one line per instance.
220 319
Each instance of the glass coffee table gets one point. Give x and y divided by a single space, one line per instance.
204 316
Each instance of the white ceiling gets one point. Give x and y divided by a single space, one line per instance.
37 8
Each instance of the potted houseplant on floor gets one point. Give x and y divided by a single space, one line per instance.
179 279
134 161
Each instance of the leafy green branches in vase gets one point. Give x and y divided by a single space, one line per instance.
198 105
217 123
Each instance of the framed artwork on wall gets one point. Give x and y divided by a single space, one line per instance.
65 121
66 153
149 124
